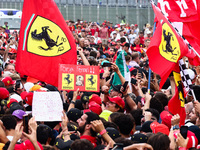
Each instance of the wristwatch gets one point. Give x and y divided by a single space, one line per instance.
176 127
73 102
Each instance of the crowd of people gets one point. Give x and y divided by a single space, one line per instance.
118 117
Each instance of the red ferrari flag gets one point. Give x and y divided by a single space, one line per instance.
176 104
185 15
45 41
166 47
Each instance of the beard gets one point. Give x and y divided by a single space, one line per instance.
81 129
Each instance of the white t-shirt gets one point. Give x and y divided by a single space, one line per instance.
132 38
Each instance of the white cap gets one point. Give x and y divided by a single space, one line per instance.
28 86
17 97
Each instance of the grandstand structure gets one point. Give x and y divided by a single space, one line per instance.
132 11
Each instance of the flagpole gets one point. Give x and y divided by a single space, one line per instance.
149 79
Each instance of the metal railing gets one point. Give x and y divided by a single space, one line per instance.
135 11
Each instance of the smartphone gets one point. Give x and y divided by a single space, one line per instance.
106 64
118 146
133 81
17 85
183 131
77 52
125 85
25 122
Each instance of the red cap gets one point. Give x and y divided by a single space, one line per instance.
29 98
8 81
12 61
99 41
13 51
23 95
136 25
95 98
94 107
12 100
103 24
26 145
166 118
3 93
193 141
156 127
86 110
117 100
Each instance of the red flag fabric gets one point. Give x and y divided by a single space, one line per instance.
177 102
179 10
45 41
187 13
166 47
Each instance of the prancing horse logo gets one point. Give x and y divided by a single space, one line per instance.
44 35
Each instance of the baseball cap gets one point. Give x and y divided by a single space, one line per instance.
18 113
8 81
156 127
99 41
17 97
95 107
12 51
103 24
166 118
10 101
35 87
148 32
15 106
125 44
23 95
74 114
29 98
146 127
117 87
27 145
118 100
28 86
139 138
3 93
113 133
95 98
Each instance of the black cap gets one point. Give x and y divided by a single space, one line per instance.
113 133
117 87
74 114
146 127
139 138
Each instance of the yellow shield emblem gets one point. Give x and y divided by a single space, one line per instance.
169 47
91 82
45 38
177 78
68 81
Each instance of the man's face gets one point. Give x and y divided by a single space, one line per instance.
137 40
86 43
111 106
81 123
147 43
193 116
10 68
113 93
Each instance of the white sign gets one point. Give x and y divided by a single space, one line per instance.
47 106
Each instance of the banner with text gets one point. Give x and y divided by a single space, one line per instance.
72 77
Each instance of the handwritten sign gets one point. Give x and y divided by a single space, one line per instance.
72 77
47 106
